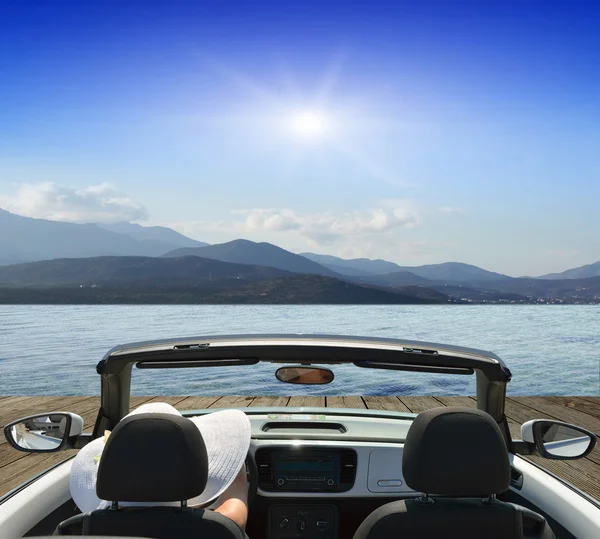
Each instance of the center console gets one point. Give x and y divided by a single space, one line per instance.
293 469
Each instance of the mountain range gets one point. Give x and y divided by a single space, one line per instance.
24 239
152 233
447 271
133 271
188 279
127 254
582 272
249 252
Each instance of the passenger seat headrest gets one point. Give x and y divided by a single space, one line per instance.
153 458
456 452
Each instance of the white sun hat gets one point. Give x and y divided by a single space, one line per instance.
226 435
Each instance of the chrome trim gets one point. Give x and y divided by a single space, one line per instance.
301 339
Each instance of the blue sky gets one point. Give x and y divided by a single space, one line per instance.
461 131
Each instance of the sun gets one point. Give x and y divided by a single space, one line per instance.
309 124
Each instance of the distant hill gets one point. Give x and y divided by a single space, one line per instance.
133 271
582 272
398 278
456 272
480 295
349 272
249 252
354 266
157 233
24 239
318 289
549 288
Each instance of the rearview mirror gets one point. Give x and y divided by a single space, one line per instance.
44 433
304 375
557 440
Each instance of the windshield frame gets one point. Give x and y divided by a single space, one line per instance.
115 368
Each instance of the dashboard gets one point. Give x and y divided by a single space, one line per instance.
329 469
312 468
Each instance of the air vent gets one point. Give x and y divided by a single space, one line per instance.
303 425
265 469
347 468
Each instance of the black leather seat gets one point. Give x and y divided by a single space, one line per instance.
153 458
460 456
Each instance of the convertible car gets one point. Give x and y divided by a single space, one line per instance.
323 473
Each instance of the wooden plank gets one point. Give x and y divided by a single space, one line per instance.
345 402
8 455
393 404
575 403
134 402
8 400
19 472
558 411
469 402
173 401
419 404
193 403
14 409
270 401
233 402
315 402
521 413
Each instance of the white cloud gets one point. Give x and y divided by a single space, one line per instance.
331 227
101 203
384 231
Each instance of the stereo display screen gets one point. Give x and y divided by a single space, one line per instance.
311 471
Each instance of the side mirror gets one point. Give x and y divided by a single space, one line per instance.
44 433
557 440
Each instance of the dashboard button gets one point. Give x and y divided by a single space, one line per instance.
284 523
301 524
389 483
330 482
280 481
322 523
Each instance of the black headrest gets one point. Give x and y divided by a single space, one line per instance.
153 458
455 452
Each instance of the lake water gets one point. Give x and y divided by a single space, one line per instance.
53 350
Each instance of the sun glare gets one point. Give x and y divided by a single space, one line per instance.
309 124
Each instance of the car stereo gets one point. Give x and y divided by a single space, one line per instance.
312 472
306 470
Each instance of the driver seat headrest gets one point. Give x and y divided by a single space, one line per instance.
456 451
153 458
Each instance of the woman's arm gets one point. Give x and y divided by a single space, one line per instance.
233 503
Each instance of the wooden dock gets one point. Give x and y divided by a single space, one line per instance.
16 467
